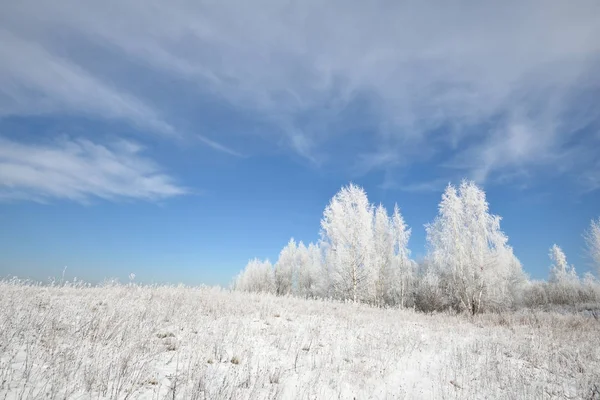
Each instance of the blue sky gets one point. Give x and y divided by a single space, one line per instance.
176 141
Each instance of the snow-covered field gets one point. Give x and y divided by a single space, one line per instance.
126 341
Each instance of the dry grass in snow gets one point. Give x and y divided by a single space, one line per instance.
118 342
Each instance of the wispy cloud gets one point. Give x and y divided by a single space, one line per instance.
80 170
589 178
487 85
35 81
218 146
436 185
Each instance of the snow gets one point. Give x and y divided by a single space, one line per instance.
156 342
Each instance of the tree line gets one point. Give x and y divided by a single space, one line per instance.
363 256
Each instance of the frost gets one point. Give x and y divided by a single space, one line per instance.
156 342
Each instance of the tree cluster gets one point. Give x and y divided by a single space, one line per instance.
363 256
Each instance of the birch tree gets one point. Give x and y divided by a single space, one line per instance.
347 229
446 252
285 269
383 256
466 245
403 266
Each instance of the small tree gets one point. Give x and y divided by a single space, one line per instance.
560 271
563 283
592 239
286 268
257 276
310 267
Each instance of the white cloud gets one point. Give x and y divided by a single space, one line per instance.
79 170
34 81
441 76
436 185
218 146
514 146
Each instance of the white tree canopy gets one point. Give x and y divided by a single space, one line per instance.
347 229
560 271
256 277
468 249
286 268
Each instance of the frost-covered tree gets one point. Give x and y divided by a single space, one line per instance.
514 279
286 269
347 230
563 283
467 249
592 239
256 277
560 271
383 256
447 256
310 268
403 267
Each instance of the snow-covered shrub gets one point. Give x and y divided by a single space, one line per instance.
572 293
535 294
591 288
429 293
